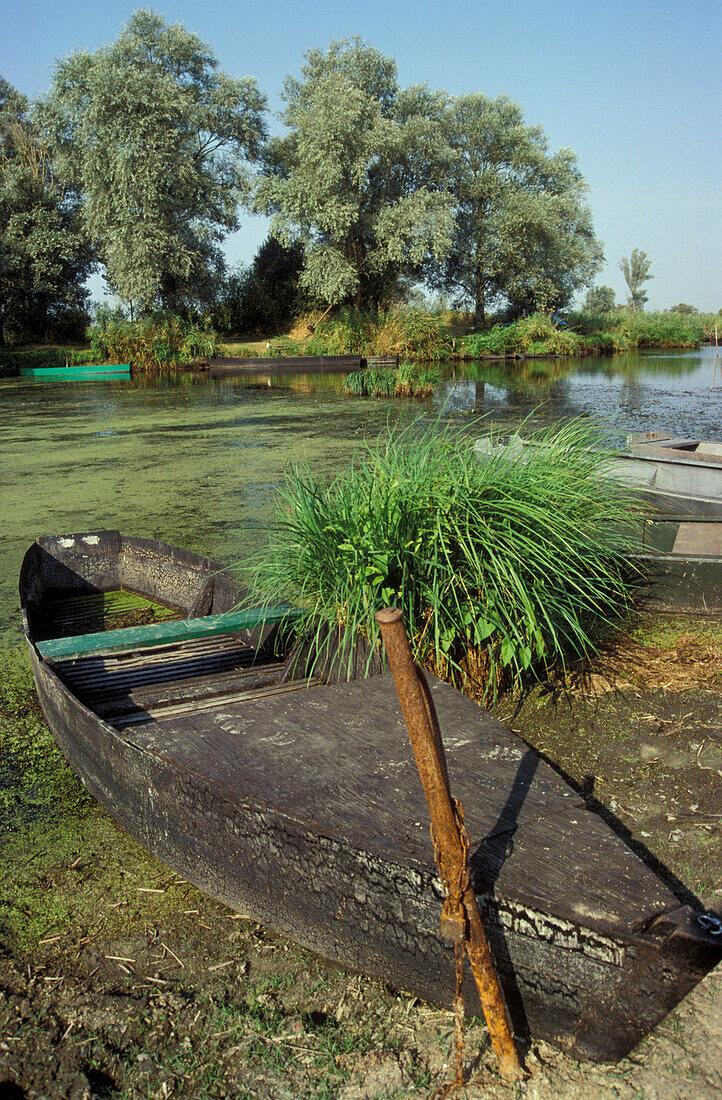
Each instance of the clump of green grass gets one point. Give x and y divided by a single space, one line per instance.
407 380
500 565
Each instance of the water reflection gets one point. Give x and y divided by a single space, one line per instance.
632 392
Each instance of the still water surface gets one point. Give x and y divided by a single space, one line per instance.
199 463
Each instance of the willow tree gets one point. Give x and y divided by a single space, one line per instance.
357 180
158 140
45 256
523 234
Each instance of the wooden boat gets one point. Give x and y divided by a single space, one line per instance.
79 372
673 476
231 366
681 559
281 782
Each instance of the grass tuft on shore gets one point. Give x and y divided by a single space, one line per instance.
500 566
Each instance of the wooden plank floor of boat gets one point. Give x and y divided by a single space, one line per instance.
337 758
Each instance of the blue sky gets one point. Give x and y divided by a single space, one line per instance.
633 88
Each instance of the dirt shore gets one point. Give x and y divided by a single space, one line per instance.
121 981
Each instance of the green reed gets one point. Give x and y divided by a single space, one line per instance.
500 565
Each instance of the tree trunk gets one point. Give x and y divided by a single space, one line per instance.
479 306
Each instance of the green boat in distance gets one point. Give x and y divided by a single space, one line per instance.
79 372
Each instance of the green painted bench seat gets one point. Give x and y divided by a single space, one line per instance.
152 634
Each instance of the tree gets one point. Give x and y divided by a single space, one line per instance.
357 180
600 299
523 235
636 273
683 307
157 139
263 297
44 254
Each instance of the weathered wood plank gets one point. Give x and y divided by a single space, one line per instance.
108 698
698 540
104 674
134 716
368 791
138 637
145 658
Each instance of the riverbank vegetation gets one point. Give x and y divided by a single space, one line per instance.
418 334
163 341
153 342
501 567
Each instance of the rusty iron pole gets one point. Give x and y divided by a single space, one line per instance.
420 718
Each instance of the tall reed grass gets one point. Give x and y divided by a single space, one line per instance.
11 359
154 342
407 380
406 332
500 566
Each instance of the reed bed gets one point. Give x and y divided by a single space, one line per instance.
151 343
409 333
502 567
11 359
407 380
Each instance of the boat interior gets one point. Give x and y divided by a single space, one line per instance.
99 615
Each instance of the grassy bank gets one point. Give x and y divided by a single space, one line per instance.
413 335
587 334
416 335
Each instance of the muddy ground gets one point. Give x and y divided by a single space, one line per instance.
121 981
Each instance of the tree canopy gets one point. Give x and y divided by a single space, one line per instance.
156 138
357 179
44 254
523 235
600 299
636 273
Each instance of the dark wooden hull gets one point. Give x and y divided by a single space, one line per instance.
299 805
228 366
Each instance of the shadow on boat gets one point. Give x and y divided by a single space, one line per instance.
485 863
585 790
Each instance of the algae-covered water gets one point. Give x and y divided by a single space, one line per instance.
199 463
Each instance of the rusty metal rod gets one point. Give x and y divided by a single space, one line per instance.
420 719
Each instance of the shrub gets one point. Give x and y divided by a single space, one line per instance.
413 334
346 332
406 332
499 565
158 341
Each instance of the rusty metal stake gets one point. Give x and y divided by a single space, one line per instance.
420 719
